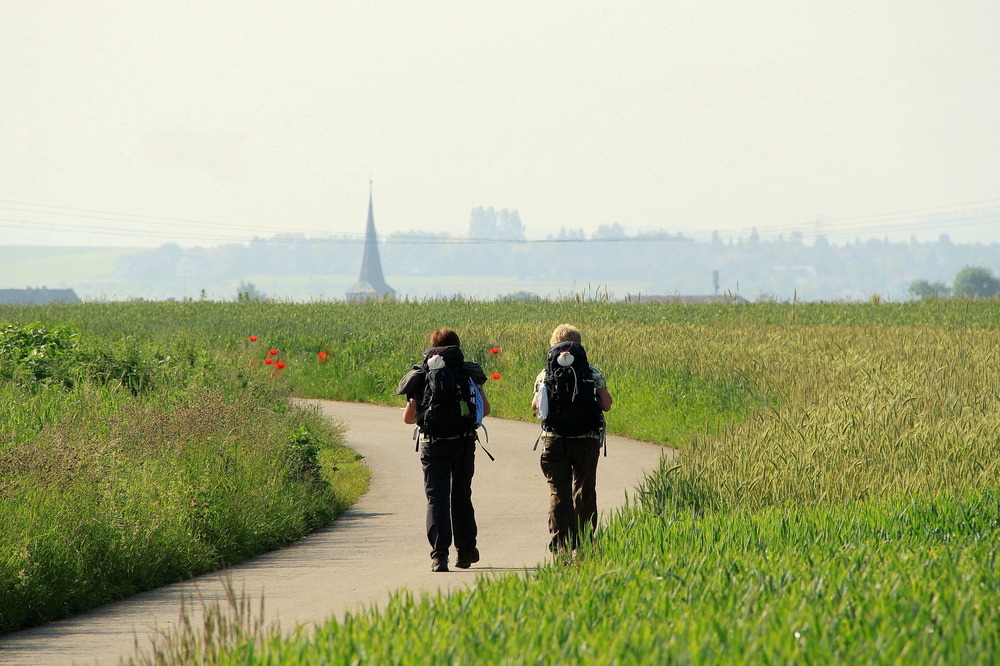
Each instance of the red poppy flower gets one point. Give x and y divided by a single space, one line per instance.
322 356
495 375
253 338
280 364
268 361
273 352
495 350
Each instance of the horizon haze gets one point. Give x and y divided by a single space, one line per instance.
204 123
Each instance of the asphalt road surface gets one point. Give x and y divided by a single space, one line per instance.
375 548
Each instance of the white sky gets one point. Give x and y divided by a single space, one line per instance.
223 120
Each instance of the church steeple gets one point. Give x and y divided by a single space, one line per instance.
371 281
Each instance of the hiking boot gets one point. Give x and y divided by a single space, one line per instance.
439 564
467 558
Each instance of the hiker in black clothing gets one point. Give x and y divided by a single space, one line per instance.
442 401
570 396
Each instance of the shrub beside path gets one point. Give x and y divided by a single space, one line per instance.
374 549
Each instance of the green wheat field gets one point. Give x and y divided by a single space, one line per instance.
836 498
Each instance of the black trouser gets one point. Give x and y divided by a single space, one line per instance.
570 467
448 468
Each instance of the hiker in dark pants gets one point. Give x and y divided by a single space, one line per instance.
572 433
447 444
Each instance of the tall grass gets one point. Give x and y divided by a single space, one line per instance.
208 630
109 487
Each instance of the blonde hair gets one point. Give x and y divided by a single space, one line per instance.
565 333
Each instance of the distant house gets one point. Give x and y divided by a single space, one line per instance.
371 282
41 296
687 300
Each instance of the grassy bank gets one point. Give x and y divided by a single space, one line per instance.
124 467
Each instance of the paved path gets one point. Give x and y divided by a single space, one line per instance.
376 547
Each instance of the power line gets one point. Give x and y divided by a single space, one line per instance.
904 220
198 229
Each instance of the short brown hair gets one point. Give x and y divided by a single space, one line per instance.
565 333
444 337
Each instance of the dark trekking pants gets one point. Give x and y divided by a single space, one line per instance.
448 468
570 467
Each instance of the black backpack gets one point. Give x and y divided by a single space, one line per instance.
448 405
573 408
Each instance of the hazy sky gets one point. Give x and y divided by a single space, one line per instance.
203 122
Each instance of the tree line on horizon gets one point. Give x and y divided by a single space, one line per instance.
970 282
671 264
